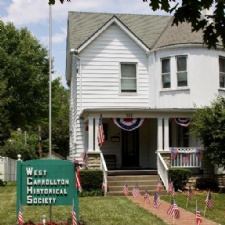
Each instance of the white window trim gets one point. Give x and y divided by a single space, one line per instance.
120 73
161 73
176 56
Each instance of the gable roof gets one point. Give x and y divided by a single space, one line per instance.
153 31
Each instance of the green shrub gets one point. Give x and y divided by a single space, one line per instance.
91 182
2 183
207 183
180 177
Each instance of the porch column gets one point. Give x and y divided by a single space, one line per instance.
97 148
159 134
90 134
166 133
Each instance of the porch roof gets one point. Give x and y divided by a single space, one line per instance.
139 112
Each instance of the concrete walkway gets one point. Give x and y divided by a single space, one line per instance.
186 218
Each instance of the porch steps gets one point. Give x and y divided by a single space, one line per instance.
145 181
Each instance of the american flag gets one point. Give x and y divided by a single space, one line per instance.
125 189
146 197
77 176
74 216
159 186
190 193
136 191
156 201
173 153
170 187
103 186
101 136
20 215
209 201
185 157
173 210
198 215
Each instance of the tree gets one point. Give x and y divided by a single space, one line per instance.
190 11
208 126
24 69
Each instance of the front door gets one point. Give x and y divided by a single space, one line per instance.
130 148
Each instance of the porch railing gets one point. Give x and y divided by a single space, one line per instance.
162 170
103 167
186 157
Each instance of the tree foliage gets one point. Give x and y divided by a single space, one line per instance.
24 67
190 11
208 126
24 96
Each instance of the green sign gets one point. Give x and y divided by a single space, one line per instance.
46 182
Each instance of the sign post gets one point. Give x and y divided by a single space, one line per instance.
46 182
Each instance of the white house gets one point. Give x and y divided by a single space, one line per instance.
138 71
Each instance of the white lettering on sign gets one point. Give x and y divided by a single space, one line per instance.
31 172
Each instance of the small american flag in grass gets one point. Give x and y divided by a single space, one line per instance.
146 197
190 193
74 216
125 189
159 186
173 210
198 215
209 201
20 215
156 201
170 187
136 191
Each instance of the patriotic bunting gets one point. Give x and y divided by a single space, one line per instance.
77 176
128 124
184 122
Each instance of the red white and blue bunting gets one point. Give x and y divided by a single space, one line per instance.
184 122
128 124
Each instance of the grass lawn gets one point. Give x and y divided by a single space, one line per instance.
217 214
93 210
105 210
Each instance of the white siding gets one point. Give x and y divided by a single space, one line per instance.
203 79
101 71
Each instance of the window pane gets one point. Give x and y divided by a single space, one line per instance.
222 64
166 66
128 85
166 81
181 63
128 70
182 79
222 80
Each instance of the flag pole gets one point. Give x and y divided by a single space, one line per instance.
187 202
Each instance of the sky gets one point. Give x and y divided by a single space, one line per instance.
34 14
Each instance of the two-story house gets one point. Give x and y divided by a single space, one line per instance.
146 78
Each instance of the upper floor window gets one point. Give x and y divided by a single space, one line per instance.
165 73
222 72
128 77
181 71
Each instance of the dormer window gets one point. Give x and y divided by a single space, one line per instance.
128 77
181 71
166 73
222 71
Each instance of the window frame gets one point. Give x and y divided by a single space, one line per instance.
128 78
181 72
221 72
165 74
